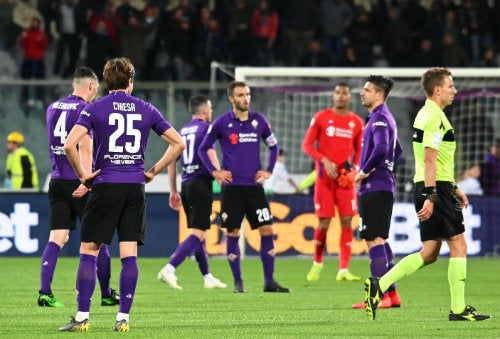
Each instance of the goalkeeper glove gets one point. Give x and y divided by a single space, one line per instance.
346 178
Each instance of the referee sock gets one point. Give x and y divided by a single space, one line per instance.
85 281
319 245
104 270
457 272
128 283
234 257
184 250
202 259
49 261
404 267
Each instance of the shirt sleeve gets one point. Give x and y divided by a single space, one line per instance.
206 144
357 144
310 138
431 126
380 133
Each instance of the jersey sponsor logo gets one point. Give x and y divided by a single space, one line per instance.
332 131
57 150
87 114
123 159
248 137
189 169
437 139
271 140
124 106
67 106
379 123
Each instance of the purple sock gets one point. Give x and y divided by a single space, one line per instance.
85 281
104 270
49 261
234 257
128 282
267 257
390 263
202 259
378 262
184 250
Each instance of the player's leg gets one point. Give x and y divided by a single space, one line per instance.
325 210
109 297
129 276
57 239
209 281
232 213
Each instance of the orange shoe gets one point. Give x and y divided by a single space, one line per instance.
395 300
384 303
360 305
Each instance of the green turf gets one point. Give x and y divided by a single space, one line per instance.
312 310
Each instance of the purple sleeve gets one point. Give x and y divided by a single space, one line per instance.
381 146
271 143
273 156
160 124
206 144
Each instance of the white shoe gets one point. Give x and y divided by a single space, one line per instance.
213 282
169 278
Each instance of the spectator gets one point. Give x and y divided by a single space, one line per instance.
6 9
131 35
20 166
469 180
334 19
316 56
452 54
34 42
265 27
68 38
395 40
211 46
491 170
349 58
426 56
489 59
180 46
300 18
154 48
361 36
241 38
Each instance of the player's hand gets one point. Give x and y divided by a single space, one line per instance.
88 179
174 201
222 176
80 191
360 177
148 176
346 178
262 176
464 201
426 212
330 168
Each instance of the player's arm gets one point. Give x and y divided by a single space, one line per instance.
222 176
357 147
70 148
85 153
175 147
272 144
381 146
174 199
430 165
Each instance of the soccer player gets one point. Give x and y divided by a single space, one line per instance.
337 133
240 132
65 206
196 195
438 200
120 124
376 181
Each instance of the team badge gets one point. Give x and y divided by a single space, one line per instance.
224 216
255 123
351 124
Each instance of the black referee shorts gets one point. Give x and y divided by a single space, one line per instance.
64 209
238 201
375 211
197 198
447 219
113 206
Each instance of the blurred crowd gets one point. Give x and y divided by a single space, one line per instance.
177 39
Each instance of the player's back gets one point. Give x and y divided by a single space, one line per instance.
192 133
61 116
121 123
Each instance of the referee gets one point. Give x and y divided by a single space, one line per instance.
438 200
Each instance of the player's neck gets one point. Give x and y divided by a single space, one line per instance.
341 111
119 90
241 115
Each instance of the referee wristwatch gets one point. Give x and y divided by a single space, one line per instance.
430 193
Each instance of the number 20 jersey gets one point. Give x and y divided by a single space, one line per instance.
60 118
120 124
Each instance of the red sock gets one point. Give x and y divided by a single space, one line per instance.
345 247
319 245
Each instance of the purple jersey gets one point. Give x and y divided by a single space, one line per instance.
192 133
240 145
380 150
120 124
60 118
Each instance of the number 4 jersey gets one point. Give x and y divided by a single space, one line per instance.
60 119
120 124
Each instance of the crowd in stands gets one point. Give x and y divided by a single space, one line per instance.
177 39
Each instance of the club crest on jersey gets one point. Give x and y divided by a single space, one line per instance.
255 123
330 131
233 138
351 124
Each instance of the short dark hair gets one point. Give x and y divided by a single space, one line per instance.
233 84
433 77
84 72
382 84
117 73
342 84
196 102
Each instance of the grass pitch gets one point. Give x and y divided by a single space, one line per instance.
313 310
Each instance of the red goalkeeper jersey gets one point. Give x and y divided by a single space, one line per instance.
336 137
